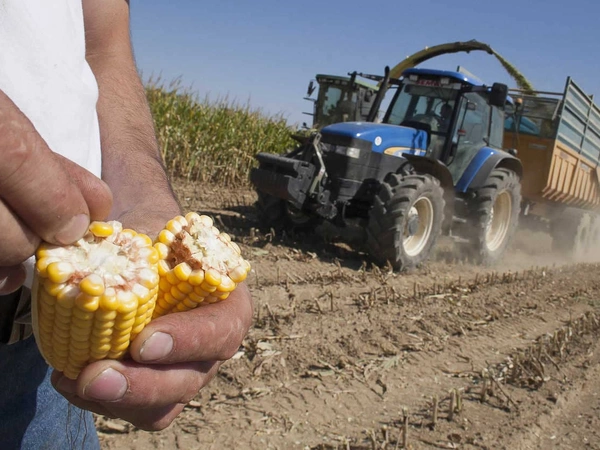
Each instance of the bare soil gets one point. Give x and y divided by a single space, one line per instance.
344 355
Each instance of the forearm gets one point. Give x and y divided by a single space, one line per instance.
131 162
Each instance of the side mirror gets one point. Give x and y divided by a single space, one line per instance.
311 88
498 95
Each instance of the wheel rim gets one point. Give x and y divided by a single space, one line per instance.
499 221
422 210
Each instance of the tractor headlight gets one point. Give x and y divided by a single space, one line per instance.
353 152
350 152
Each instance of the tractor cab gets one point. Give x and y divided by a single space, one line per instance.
340 99
457 111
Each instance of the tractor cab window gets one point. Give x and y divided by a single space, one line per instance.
424 104
338 104
420 106
331 97
497 128
470 133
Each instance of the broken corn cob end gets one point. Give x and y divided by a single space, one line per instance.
197 264
90 299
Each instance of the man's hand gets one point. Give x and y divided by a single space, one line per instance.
42 195
173 358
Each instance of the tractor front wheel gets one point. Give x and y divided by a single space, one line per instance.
405 220
277 214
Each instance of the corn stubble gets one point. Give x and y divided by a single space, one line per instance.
91 299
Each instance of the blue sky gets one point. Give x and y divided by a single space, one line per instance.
266 52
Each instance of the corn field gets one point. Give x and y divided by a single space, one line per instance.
212 141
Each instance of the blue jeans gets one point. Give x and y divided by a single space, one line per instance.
33 416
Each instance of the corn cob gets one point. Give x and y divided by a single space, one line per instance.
197 264
92 298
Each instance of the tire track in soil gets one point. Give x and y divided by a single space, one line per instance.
423 369
574 421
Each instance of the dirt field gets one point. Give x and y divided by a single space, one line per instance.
346 356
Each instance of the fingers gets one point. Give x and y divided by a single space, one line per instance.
34 184
154 419
211 332
11 278
18 241
148 397
95 192
128 384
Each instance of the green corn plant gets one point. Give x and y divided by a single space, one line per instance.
212 141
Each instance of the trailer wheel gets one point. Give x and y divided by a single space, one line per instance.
493 217
280 215
405 220
583 237
575 234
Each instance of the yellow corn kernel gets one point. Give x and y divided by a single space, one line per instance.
101 229
238 274
93 285
172 278
207 287
163 268
177 294
212 277
42 263
196 277
227 285
185 287
86 302
166 237
108 302
182 271
162 249
174 226
59 272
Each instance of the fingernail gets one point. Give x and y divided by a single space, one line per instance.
109 386
156 347
76 228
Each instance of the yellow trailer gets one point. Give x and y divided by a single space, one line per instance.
557 138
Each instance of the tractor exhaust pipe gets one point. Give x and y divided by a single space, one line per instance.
380 94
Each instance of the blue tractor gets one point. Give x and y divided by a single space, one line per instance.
434 164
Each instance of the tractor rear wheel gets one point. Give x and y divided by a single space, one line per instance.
493 217
405 220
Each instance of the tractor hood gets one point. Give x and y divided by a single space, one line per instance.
378 137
